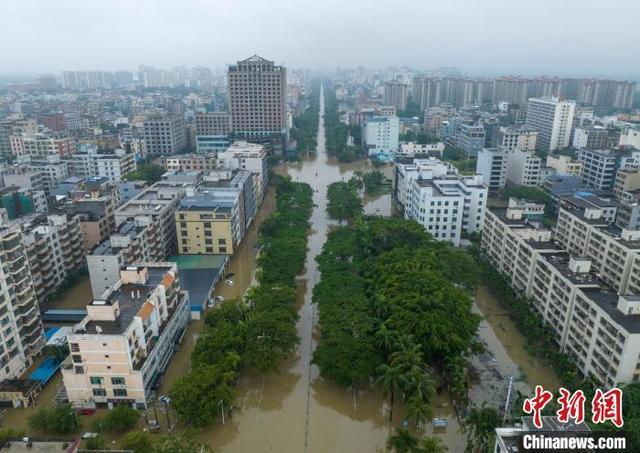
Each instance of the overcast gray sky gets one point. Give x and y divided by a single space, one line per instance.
564 37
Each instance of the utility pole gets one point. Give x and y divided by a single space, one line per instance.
506 406
222 410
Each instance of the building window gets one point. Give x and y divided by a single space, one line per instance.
76 358
75 347
223 250
79 369
222 241
99 392
118 380
119 392
209 249
96 380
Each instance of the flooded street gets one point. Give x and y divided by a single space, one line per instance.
295 410
505 357
76 296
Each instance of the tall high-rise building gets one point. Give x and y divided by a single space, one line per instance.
428 92
610 93
395 94
164 133
553 119
257 100
22 334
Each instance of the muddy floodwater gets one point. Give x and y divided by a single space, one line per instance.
76 296
295 410
505 358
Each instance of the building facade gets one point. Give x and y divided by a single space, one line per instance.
257 99
552 118
492 166
471 138
381 134
517 137
432 193
593 316
164 133
395 94
210 223
524 168
122 347
21 332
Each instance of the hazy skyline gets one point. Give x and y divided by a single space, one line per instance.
552 37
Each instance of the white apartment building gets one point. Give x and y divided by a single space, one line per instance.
444 203
564 164
410 149
191 162
55 250
492 166
597 324
598 167
517 137
247 156
381 135
552 119
630 137
41 145
130 243
92 162
613 251
120 350
524 168
51 168
21 333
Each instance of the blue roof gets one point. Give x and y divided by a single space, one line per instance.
45 371
50 332
63 311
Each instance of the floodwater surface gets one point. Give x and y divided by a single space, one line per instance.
294 410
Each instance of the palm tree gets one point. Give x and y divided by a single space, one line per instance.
232 360
403 441
420 383
480 425
408 357
392 381
417 409
432 444
384 338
